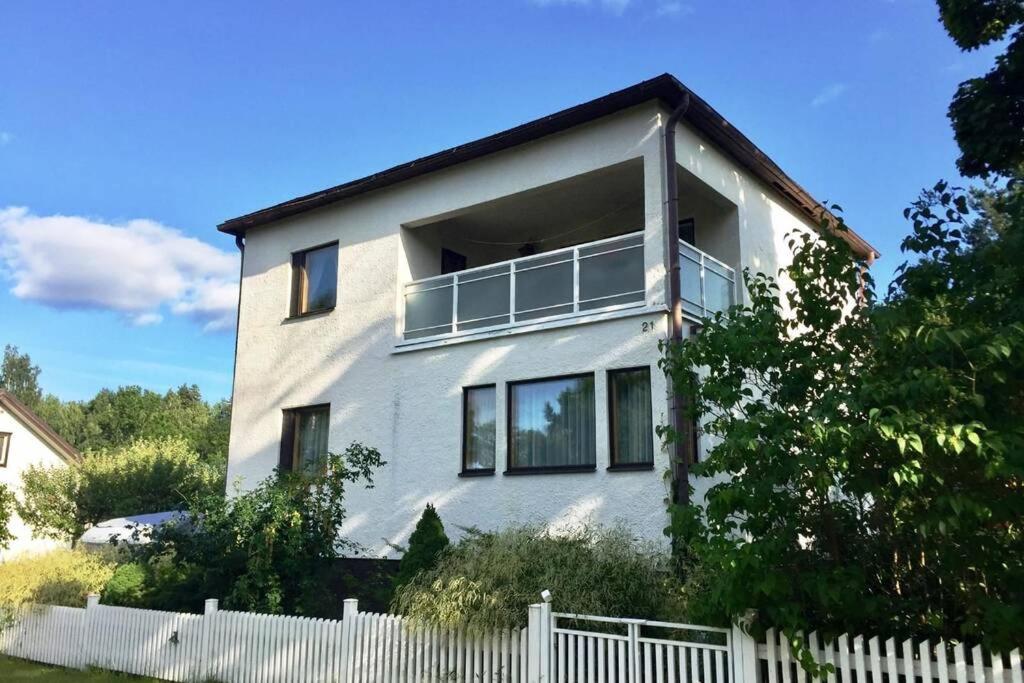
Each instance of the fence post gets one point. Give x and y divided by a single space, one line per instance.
743 651
539 643
206 649
88 631
349 610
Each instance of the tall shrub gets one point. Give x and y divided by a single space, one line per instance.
7 502
488 580
427 542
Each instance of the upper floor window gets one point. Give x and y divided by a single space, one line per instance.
304 437
314 279
630 417
478 423
5 443
552 424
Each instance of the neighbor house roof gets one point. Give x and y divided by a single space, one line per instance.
665 87
37 426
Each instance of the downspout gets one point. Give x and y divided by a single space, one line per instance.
240 243
682 447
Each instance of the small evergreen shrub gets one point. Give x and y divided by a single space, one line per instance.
426 544
488 580
127 587
60 577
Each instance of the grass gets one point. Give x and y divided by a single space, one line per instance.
20 671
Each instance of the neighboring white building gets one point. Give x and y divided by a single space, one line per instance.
489 316
26 440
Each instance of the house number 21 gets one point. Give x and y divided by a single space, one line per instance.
647 326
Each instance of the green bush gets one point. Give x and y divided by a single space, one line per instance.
127 587
60 577
488 580
426 544
7 503
145 476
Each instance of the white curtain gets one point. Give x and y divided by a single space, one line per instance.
631 416
311 441
553 423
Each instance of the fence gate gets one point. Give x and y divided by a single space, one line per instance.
593 649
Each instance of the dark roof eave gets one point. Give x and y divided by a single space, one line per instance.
665 87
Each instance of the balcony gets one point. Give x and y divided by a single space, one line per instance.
584 279
707 285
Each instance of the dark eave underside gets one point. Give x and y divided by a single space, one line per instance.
700 115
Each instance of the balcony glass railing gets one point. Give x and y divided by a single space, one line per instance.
707 284
588 278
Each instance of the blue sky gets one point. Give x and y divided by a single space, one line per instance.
177 116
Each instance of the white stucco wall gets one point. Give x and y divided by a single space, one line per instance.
26 449
409 404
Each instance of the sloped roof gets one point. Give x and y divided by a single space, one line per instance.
37 426
665 87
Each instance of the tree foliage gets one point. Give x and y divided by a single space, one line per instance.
873 453
7 501
427 542
267 549
20 377
145 476
988 112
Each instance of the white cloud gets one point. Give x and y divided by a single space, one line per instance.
613 6
673 8
829 93
134 268
5 137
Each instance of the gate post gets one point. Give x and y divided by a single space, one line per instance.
539 644
206 667
743 651
349 611
85 638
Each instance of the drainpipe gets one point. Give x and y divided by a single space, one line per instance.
682 447
240 243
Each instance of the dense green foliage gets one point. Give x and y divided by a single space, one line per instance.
144 476
128 586
426 543
116 417
987 113
268 549
60 577
7 503
20 377
874 452
488 580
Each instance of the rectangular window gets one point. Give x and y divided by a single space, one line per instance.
551 424
630 417
304 437
314 280
5 443
478 422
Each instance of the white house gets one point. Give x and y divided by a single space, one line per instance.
489 316
26 440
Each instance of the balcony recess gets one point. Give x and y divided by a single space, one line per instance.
595 277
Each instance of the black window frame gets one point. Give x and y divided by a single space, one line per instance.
479 471
509 428
289 432
300 284
626 466
5 447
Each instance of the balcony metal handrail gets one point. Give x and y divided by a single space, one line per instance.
702 260
509 269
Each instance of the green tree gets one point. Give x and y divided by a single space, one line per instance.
145 476
269 548
987 113
873 453
427 542
20 377
7 501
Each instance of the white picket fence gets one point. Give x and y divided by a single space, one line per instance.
241 647
860 659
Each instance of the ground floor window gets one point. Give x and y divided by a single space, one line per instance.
552 424
304 437
630 418
478 429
